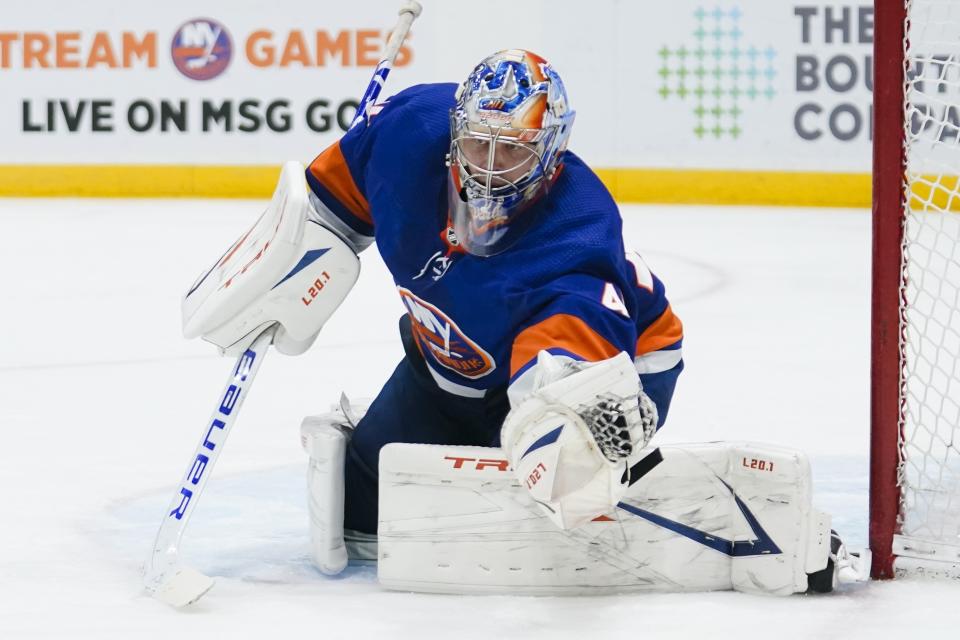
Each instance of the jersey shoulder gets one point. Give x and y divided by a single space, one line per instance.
418 115
581 201
578 229
435 96
409 130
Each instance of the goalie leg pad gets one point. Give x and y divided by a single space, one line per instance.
324 438
772 535
695 518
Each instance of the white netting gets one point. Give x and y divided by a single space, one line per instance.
930 447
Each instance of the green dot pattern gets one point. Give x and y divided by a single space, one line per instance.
717 73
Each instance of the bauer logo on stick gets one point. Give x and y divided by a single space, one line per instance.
201 49
215 432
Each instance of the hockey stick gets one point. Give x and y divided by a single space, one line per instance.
408 13
164 577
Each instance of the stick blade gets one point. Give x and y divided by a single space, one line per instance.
184 587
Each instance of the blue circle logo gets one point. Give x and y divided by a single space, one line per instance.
201 49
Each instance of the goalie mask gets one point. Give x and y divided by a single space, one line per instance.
508 131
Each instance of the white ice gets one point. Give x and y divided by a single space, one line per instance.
102 401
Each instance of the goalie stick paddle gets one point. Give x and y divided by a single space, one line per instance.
164 576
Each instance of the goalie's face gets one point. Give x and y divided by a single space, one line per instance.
496 174
495 164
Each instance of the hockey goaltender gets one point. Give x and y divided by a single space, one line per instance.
513 448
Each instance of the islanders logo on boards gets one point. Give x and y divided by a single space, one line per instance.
201 49
442 340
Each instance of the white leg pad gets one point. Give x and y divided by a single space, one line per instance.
699 517
324 438
777 535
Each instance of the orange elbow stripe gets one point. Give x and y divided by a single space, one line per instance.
664 332
564 332
331 171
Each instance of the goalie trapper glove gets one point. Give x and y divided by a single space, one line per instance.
620 427
571 440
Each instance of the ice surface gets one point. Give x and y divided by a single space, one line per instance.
101 402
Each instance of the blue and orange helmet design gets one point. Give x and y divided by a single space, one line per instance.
514 89
514 102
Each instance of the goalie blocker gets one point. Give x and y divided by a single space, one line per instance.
288 269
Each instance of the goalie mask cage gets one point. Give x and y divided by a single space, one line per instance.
915 369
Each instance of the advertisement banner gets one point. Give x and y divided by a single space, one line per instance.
746 86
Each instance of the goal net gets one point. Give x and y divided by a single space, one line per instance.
915 494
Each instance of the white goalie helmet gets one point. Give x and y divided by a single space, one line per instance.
508 132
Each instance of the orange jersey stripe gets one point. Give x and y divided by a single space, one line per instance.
330 168
665 331
561 331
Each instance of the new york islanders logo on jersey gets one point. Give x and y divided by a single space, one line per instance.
442 341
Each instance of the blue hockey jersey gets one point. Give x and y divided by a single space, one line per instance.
567 286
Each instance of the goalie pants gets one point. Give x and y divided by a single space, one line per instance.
412 408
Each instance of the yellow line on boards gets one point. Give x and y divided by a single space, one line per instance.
138 181
697 186
674 186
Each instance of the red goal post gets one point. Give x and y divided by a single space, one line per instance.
915 369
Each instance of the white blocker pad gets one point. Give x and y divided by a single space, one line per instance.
695 518
287 269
